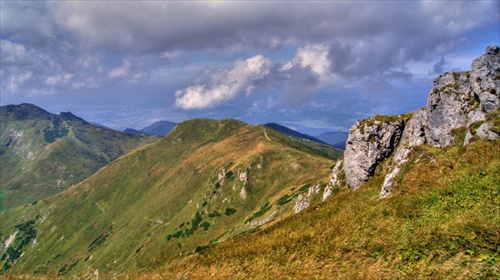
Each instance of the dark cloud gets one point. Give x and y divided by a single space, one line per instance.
60 47
364 38
440 67
374 27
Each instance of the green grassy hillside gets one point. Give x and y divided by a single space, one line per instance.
206 181
442 222
42 154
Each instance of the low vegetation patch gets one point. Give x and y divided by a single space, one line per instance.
26 232
100 239
230 211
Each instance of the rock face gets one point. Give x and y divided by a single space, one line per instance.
485 81
413 135
446 107
370 141
469 100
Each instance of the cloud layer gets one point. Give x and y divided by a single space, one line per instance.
82 43
204 54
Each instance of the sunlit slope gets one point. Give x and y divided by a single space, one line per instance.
205 181
42 154
442 222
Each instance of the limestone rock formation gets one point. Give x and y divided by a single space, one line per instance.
446 107
485 78
370 141
334 180
469 100
304 200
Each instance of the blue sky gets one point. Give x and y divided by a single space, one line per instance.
313 66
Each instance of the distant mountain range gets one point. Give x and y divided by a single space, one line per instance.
159 128
334 138
42 154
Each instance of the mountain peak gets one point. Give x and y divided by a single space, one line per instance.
71 117
294 133
24 111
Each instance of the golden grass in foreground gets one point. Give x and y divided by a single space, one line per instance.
442 222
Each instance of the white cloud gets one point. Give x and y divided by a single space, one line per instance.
120 71
225 85
313 56
55 80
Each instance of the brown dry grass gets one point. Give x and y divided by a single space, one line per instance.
442 223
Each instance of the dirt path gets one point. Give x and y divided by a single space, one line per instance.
265 134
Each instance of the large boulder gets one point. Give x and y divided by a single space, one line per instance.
370 141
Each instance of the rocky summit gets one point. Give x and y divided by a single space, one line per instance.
461 107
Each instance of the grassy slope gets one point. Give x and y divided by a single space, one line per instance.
163 201
42 154
442 222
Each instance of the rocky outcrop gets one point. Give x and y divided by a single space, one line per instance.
468 100
334 180
370 141
304 200
485 79
447 106
413 135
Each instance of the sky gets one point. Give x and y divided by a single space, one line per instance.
313 66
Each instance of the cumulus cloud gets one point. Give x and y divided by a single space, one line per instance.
298 79
314 57
224 85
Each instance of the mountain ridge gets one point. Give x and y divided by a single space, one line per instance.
42 153
294 133
158 128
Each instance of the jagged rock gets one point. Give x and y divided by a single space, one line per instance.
369 142
413 135
243 175
222 174
334 180
485 79
468 137
460 99
301 203
243 192
304 200
446 108
475 115
484 132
